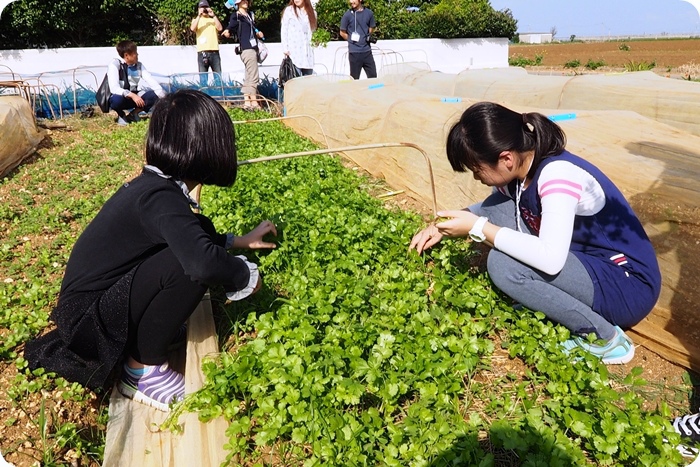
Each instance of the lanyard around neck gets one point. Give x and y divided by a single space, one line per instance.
250 21
519 188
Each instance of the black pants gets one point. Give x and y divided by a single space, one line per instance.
120 103
362 61
162 298
205 61
209 59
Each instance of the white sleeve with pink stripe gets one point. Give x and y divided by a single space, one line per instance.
565 191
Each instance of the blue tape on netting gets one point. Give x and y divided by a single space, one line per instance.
560 117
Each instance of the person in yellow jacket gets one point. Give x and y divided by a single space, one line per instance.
206 27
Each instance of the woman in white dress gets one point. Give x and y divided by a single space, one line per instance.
298 24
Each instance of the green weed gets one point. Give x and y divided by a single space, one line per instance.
639 66
520 60
594 65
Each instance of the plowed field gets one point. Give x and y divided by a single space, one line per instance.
668 55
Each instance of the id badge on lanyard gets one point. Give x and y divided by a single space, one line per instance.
355 36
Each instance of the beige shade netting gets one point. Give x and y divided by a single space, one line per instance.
665 100
134 433
657 166
19 135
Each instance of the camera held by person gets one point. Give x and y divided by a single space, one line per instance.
371 39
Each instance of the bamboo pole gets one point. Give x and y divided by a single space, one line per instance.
353 148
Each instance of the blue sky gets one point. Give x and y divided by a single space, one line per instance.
586 18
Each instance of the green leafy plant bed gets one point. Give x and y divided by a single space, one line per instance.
360 353
356 352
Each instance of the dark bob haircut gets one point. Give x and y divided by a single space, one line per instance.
126 47
191 137
487 129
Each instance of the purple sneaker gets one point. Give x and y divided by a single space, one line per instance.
159 387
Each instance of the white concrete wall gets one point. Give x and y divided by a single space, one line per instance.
57 66
535 38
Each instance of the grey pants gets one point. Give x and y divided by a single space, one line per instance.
566 297
249 57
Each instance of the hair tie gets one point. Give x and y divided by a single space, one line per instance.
527 124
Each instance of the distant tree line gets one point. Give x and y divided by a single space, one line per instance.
94 23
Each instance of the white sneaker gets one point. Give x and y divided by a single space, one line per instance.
619 350
688 426
121 122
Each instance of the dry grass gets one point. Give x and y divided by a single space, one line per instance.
690 71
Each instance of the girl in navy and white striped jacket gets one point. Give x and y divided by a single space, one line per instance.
566 241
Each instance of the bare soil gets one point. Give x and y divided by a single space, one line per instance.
672 57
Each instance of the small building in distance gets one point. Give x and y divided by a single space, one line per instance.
535 37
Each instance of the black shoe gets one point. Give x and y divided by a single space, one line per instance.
133 116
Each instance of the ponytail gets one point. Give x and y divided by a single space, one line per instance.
549 138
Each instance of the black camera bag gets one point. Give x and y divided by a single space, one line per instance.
103 93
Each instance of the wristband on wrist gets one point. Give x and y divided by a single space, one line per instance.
477 231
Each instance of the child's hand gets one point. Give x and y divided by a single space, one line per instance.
458 225
258 286
254 238
425 239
